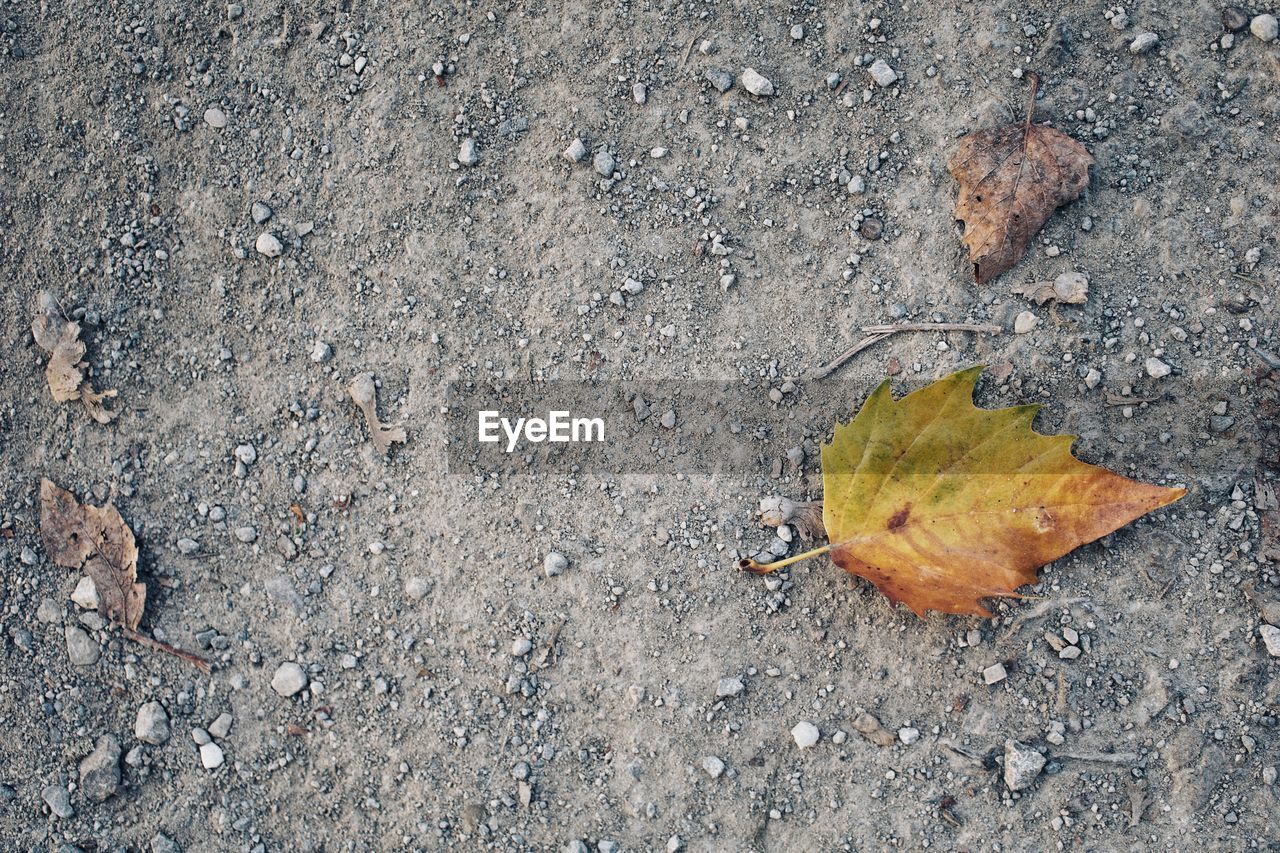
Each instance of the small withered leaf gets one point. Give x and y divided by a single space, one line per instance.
64 373
96 538
1012 178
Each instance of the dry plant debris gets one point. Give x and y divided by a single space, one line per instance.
365 394
1012 178
1070 288
60 338
941 504
98 541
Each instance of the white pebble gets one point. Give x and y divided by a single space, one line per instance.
882 73
1025 322
554 563
321 352
289 679
85 595
639 94
268 245
994 674
756 83
1157 369
1265 27
215 118
211 756
1271 637
713 766
805 734
467 154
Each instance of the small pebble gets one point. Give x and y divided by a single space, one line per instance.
289 679
908 735
268 245
321 352
604 163
576 151
1157 369
416 588
994 674
805 734
1022 765
221 727
261 212
211 756
797 32
756 83
1025 322
85 595
81 649
1265 27
58 801
882 73
639 93
246 534
722 80
730 686
467 153
554 563
216 119
1271 639
152 724
713 766
1144 42
521 647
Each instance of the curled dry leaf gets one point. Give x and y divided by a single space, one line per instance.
64 373
804 516
941 504
365 394
97 541
1011 180
1070 288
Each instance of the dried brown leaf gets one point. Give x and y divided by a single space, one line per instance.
365 394
64 373
1011 180
1070 288
97 539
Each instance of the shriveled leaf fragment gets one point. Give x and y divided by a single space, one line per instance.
804 516
941 504
869 727
1012 178
1070 288
365 394
64 373
96 538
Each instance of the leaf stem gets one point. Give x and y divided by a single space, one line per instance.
749 564
1034 78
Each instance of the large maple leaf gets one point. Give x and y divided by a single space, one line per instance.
941 504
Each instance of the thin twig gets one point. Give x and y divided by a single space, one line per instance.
877 333
152 643
1102 757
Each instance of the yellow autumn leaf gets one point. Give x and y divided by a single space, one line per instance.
941 504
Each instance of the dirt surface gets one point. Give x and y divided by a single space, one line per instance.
457 694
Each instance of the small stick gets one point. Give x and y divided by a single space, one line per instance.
152 643
1102 757
877 333
749 564
688 50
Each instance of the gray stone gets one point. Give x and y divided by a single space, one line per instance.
268 245
576 151
48 611
1271 639
58 800
1022 765
1265 27
1156 368
215 118
467 153
321 352
188 546
730 686
882 74
100 770
161 843
1221 423
908 735
85 595
604 163
260 211
994 674
806 734
713 766
721 79
1144 42
416 588
756 83
246 534
554 563
152 724
81 649
289 679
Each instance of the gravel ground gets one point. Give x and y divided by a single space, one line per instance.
247 206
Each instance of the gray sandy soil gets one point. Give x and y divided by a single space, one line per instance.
450 692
